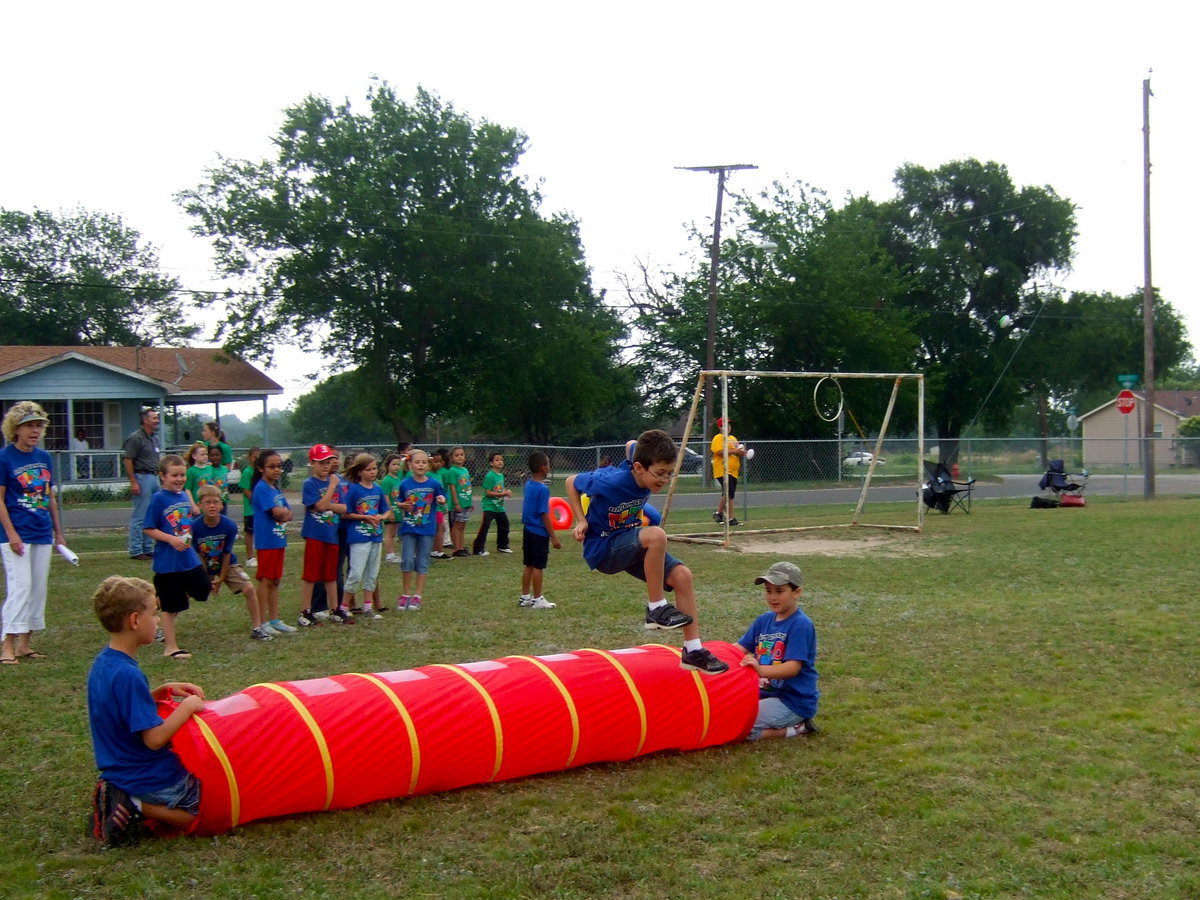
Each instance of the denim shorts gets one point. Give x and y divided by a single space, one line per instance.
772 713
626 554
183 794
414 552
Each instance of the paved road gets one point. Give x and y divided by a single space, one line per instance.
1008 486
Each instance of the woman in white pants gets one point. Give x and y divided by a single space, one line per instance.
29 517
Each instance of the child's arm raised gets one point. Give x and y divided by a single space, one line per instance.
326 503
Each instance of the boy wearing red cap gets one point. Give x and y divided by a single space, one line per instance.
320 532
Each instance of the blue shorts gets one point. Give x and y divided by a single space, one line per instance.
626 554
183 794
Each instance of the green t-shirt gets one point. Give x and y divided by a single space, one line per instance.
198 477
244 484
493 480
457 478
220 478
440 477
389 485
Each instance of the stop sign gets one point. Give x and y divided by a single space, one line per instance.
1125 402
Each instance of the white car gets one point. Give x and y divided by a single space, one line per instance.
861 458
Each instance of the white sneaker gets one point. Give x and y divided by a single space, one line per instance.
506 550
392 557
542 603
252 563
322 615
266 629
525 601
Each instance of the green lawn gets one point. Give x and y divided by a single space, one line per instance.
1010 708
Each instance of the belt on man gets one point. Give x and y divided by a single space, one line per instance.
145 472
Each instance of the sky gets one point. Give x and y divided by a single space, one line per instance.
118 107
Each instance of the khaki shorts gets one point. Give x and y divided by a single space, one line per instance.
236 579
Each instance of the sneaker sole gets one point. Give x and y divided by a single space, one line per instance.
702 670
655 626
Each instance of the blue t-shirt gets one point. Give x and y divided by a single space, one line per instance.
423 494
268 534
171 511
214 541
340 494
320 526
120 708
27 484
773 642
365 501
616 503
535 505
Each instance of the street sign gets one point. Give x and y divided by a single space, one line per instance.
1125 402
1127 381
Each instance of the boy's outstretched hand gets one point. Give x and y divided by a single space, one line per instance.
178 689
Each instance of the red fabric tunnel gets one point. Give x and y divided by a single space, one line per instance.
330 743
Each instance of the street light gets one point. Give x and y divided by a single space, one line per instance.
714 260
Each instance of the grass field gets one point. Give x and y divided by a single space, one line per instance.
1010 708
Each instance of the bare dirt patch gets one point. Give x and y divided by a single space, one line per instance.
851 544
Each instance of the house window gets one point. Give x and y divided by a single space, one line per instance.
57 431
89 415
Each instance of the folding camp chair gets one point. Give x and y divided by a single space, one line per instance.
943 493
1066 487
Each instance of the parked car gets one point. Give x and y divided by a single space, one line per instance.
693 462
861 458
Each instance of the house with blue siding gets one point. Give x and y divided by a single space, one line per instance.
102 390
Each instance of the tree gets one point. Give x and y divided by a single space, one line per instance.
337 411
83 278
970 245
1073 349
798 290
403 244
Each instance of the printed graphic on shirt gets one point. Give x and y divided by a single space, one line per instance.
211 549
178 521
422 508
770 651
323 517
627 515
367 506
35 482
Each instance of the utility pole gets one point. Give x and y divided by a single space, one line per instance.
714 262
1147 304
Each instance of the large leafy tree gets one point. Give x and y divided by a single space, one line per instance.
83 278
799 290
402 243
1072 349
971 245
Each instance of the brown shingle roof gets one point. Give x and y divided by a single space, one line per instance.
209 369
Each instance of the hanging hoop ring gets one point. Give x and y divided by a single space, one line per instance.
823 411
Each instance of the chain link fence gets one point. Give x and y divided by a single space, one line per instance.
777 464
